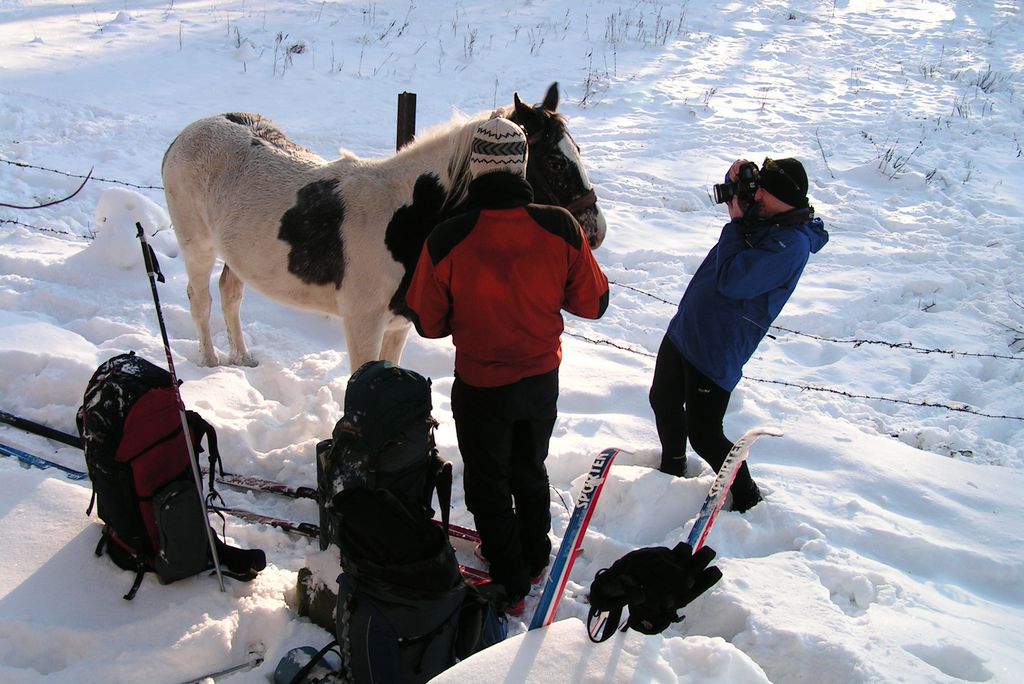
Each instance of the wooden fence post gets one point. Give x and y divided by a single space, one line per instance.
406 120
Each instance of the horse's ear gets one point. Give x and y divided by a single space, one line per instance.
551 98
526 116
522 109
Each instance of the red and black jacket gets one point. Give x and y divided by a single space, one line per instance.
497 277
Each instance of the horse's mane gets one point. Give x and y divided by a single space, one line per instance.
457 136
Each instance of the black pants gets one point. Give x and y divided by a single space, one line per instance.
503 436
688 405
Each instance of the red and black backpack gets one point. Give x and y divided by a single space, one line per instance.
144 488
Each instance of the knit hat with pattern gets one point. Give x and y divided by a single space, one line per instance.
498 145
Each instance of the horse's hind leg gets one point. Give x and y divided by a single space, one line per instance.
394 342
363 334
231 290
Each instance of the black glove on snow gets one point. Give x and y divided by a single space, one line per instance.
655 582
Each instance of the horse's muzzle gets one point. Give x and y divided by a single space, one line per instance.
586 212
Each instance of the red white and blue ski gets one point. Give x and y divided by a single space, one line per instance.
720 487
572 540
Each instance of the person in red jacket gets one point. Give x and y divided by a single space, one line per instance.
496 278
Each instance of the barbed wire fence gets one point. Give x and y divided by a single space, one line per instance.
68 174
855 342
113 181
639 351
948 406
962 408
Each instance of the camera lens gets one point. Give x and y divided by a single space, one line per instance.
724 192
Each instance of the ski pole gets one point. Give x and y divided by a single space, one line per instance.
153 271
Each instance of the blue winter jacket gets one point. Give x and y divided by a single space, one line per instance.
740 288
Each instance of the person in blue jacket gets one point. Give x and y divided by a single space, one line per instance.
726 310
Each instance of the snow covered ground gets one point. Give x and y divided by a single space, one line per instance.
889 547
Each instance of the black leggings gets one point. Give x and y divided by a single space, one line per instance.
503 435
688 405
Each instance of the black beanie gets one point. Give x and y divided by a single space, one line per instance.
786 179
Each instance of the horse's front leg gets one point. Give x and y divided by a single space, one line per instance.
231 290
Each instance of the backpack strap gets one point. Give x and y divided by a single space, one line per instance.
136 584
138 564
200 428
237 563
439 479
443 486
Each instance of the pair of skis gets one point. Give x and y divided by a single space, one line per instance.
231 479
244 482
713 503
256 484
572 540
238 481
33 461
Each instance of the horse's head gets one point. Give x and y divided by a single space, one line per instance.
554 168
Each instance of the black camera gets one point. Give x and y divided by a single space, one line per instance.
744 188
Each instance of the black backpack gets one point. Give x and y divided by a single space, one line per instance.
143 484
385 440
404 613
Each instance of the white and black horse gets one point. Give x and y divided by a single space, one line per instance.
339 237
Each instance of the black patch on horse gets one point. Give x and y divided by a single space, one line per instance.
313 228
408 230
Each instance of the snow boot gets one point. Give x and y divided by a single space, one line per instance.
745 499
673 466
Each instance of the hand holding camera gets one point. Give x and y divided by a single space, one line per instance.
742 183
